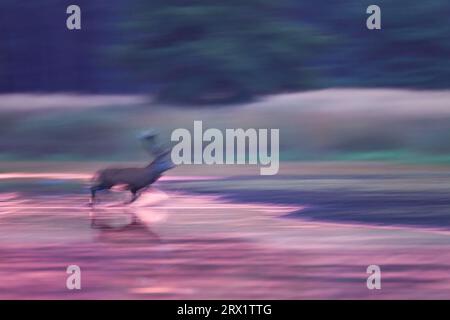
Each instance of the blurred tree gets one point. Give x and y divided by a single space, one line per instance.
194 51
411 49
39 53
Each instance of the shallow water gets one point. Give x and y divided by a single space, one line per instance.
226 238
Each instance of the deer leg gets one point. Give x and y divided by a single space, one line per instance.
92 199
134 196
94 189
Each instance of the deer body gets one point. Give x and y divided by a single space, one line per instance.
134 179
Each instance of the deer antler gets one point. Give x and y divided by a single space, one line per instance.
151 143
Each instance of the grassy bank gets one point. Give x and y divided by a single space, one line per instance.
329 125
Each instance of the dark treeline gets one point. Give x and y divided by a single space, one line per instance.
188 48
38 52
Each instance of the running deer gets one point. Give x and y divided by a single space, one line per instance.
134 179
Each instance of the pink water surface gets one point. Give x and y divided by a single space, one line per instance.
171 245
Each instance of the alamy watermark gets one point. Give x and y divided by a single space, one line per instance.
234 146
373 22
74 279
73 21
374 280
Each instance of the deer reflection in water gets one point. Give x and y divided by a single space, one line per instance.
121 225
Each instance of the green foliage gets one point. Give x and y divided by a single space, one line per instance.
192 51
206 52
61 135
219 51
